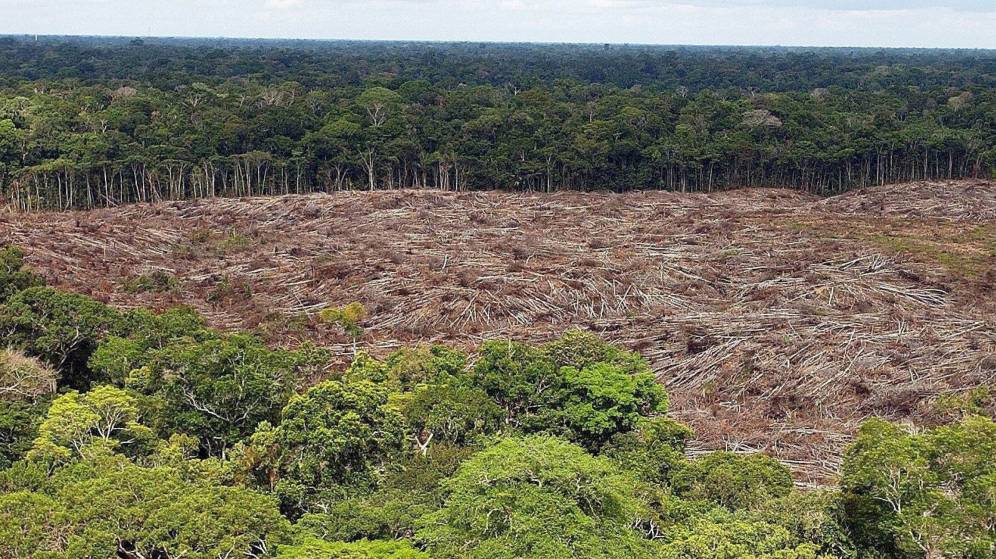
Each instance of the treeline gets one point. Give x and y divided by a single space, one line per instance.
166 63
71 143
138 435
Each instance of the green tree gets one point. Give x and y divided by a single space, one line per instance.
538 497
333 439
578 387
721 536
13 276
734 481
116 508
218 389
653 451
312 548
601 400
409 490
19 423
62 329
142 334
105 416
923 495
32 525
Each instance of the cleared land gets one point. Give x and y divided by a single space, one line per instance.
777 320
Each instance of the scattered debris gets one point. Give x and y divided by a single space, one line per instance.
777 320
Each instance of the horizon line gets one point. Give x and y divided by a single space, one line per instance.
37 36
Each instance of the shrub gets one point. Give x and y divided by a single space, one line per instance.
158 281
347 317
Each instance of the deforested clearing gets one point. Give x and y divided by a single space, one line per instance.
777 320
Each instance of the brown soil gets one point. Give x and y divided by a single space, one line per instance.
777 320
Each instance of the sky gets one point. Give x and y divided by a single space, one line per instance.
876 23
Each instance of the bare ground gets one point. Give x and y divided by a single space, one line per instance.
777 320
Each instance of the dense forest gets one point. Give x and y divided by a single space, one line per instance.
87 122
143 435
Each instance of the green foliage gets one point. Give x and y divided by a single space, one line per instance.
105 416
410 367
31 525
720 536
62 329
520 378
220 388
929 494
542 390
540 118
977 401
333 436
420 455
261 119
158 281
602 399
317 549
814 517
19 423
581 349
109 507
451 411
538 497
653 451
347 317
229 289
734 481
143 334
13 276
409 490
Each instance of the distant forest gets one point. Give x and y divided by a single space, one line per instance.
88 122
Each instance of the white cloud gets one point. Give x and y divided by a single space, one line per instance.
937 23
283 4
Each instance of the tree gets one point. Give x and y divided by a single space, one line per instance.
520 378
451 411
719 536
409 490
24 378
220 388
581 349
105 416
13 276
32 525
312 548
110 507
653 451
335 437
601 400
538 497
734 481
142 334
542 390
62 329
19 423
923 495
